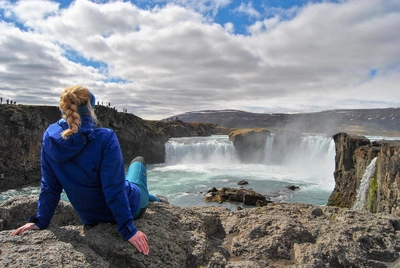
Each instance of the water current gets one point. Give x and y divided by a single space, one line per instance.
196 164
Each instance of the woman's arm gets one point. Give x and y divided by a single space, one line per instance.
113 184
26 227
48 199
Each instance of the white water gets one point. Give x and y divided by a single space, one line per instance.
194 165
364 186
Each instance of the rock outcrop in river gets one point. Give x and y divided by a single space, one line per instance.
277 235
250 143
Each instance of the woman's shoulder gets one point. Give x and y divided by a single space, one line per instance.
58 126
104 132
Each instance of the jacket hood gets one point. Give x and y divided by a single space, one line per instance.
61 150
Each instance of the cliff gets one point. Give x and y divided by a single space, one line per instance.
250 143
277 235
353 155
22 127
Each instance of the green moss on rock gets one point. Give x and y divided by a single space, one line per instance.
372 195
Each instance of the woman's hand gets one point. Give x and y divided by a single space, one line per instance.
28 226
139 240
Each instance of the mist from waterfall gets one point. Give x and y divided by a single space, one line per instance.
361 197
196 164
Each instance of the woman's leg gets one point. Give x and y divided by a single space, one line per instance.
153 198
137 175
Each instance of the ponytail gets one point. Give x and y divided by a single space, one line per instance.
74 102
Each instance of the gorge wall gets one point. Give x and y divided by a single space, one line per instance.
22 127
353 155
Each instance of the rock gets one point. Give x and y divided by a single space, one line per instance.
212 190
292 187
316 212
243 182
250 143
277 235
353 155
246 196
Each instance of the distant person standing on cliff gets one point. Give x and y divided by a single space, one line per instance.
87 163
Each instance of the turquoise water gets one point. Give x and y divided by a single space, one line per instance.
194 165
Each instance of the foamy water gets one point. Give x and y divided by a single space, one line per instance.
194 165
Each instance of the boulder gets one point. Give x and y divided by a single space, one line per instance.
250 143
292 187
277 235
246 196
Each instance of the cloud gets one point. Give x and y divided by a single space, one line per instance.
247 9
162 60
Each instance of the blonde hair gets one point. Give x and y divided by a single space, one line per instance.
71 98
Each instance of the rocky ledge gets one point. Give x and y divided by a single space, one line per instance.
277 235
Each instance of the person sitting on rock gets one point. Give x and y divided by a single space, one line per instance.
87 163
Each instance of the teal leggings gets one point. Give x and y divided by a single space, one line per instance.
137 174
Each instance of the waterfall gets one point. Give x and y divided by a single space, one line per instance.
268 148
316 152
364 186
214 149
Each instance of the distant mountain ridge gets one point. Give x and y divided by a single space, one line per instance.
380 121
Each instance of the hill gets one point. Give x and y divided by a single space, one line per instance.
385 121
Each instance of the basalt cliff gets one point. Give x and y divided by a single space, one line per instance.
22 127
353 155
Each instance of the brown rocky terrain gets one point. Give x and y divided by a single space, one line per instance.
277 235
353 155
22 127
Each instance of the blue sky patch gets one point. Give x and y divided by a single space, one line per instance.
77 57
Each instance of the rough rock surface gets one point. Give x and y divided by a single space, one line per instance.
22 128
250 143
353 155
246 196
278 235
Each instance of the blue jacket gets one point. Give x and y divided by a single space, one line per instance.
90 168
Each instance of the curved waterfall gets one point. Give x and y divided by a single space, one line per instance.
200 150
314 151
196 164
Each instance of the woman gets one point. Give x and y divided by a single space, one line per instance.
87 163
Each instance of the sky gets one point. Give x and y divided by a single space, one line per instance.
160 58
